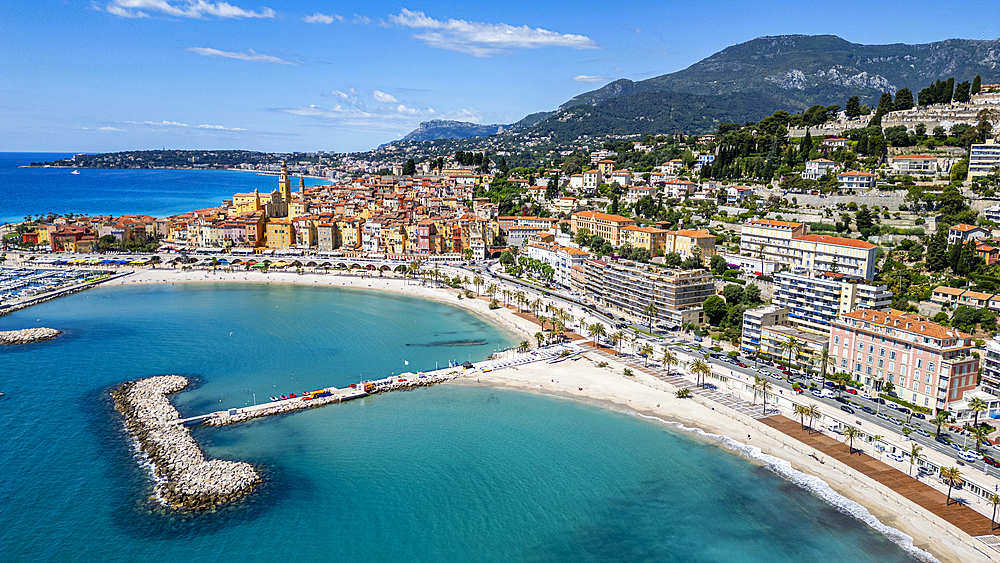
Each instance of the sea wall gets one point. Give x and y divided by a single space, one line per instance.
28 335
186 480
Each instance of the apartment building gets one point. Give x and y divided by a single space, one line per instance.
990 371
815 302
562 259
930 365
787 243
629 288
984 158
854 180
603 224
756 319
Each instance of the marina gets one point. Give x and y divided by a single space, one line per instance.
22 287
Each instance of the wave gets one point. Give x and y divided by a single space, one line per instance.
813 484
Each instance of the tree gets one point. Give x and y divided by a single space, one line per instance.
718 264
410 168
792 346
915 450
596 331
814 413
962 92
995 499
540 338
953 477
851 432
700 369
751 295
683 393
980 434
765 386
904 99
478 282
977 85
672 260
977 405
802 411
669 359
715 309
650 311
523 346
646 350
940 420
853 108
616 339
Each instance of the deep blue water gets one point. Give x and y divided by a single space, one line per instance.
34 191
447 473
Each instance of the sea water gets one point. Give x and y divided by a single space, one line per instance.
446 473
33 191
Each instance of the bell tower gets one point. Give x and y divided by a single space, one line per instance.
284 184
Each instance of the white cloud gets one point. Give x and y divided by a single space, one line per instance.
362 19
323 18
221 128
485 39
587 78
350 111
177 124
250 55
110 129
383 97
183 9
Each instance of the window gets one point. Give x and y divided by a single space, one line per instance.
930 366
871 349
868 370
843 363
902 370
890 377
920 363
836 340
902 381
870 359
861 346
926 401
892 355
914 398
927 378
881 352
857 367
881 363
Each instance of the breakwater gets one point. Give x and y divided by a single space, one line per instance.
28 335
185 479
324 397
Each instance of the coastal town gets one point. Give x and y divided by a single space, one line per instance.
850 274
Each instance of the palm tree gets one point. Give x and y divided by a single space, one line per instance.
650 311
952 476
802 411
559 329
506 295
825 360
413 268
539 337
700 369
523 346
940 420
814 413
851 432
647 351
765 387
979 433
491 290
522 299
635 339
536 305
914 455
668 359
792 345
995 499
542 319
977 406
757 379
617 338
596 331
478 282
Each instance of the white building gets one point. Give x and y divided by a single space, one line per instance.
755 319
919 164
787 243
854 180
561 258
816 169
984 158
815 302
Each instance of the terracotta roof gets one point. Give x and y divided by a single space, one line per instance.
772 223
604 216
899 320
838 241
922 156
856 173
946 290
963 227
691 233
978 295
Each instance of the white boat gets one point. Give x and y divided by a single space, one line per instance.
75 172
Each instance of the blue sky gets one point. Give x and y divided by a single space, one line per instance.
109 75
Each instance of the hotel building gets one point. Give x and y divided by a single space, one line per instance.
603 224
930 365
814 303
629 288
787 243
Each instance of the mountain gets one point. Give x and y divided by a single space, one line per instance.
445 129
789 72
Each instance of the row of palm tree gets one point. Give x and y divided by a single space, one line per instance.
807 411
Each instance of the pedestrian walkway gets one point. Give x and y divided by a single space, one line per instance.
963 517
675 379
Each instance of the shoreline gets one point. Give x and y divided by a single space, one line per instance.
605 387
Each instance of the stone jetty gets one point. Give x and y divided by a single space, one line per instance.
185 479
28 335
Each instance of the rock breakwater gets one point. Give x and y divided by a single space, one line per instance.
28 335
185 479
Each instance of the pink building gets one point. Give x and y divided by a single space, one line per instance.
929 365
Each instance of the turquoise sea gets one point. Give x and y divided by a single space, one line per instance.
34 191
447 473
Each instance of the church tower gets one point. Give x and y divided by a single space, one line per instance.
284 184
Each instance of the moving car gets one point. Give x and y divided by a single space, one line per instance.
868 410
847 409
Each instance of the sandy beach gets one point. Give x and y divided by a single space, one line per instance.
641 395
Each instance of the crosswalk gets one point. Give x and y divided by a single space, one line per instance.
676 379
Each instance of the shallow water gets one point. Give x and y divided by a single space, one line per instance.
447 473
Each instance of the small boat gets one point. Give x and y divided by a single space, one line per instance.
292 396
75 172
283 397
274 398
2 393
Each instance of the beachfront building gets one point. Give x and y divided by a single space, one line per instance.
930 365
603 224
787 243
629 288
984 158
990 371
793 347
815 302
562 259
279 234
756 319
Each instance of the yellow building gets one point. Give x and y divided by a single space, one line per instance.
685 241
245 204
608 226
279 233
650 238
349 233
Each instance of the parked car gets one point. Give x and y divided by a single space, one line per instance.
852 390
868 409
847 409
798 390
817 393
920 415
922 432
894 457
896 421
866 396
